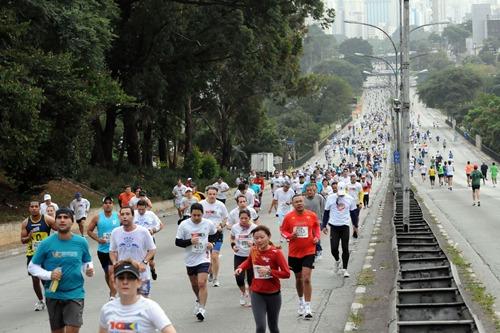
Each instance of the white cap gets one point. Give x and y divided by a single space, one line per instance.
47 197
188 189
341 190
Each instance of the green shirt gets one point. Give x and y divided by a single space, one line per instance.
476 177
494 170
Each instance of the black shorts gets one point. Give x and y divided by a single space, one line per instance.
451 176
432 177
68 312
475 187
201 268
296 264
105 260
80 220
440 176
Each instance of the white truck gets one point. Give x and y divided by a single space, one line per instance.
262 162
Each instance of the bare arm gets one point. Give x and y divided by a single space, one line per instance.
103 330
91 227
51 222
113 256
25 235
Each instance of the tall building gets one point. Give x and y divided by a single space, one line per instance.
438 13
479 14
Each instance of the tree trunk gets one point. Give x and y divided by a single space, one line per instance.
97 157
162 149
173 165
102 152
147 146
131 137
188 127
225 138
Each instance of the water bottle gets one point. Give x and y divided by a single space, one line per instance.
55 283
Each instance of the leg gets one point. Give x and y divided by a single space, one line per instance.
193 279
259 312
80 226
344 236
240 279
202 288
306 280
299 284
37 287
273 307
215 263
334 242
109 281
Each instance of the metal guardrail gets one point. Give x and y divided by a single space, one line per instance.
485 149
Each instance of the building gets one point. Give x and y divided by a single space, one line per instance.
479 15
492 28
438 13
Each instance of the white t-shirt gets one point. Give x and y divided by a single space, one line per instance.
284 200
148 220
133 244
145 316
80 208
340 214
43 207
133 202
354 189
243 239
195 255
220 188
188 202
249 194
234 215
215 212
178 192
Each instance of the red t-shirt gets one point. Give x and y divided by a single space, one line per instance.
272 258
125 197
307 227
260 182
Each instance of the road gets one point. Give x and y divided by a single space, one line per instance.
475 229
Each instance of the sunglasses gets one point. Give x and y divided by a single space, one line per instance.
126 276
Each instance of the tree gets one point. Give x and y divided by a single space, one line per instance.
484 119
357 45
318 47
344 70
455 36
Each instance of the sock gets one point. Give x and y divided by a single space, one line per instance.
308 304
301 300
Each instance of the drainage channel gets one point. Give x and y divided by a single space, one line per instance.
428 299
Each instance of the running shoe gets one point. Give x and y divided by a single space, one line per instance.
302 309
216 283
154 276
201 315
39 306
196 307
210 277
243 300
355 233
308 313
346 273
478 203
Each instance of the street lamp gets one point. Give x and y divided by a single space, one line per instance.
429 24
394 71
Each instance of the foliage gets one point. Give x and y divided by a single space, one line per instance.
455 35
351 46
484 119
209 166
318 47
192 163
343 69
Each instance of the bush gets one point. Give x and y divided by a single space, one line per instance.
209 166
192 163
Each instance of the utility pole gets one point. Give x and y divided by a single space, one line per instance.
405 115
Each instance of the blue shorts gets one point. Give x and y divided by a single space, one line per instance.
145 288
201 268
217 246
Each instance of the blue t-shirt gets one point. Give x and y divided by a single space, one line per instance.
69 255
105 226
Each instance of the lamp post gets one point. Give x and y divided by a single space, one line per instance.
388 64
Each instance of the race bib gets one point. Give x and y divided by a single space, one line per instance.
245 241
199 248
302 231
106 236
257 275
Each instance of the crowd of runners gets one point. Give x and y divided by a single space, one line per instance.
324 197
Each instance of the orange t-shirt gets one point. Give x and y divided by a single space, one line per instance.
125 198
307 227
468 169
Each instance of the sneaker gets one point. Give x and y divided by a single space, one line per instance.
39 306
473 204
355 233
478 203
154 276
210 277
308 313
346 273
301 310
196 307
243 299
201 314
216 283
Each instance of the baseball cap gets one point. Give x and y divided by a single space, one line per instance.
127 268
341 189
78 195
47 197
106 198
189 189
190 179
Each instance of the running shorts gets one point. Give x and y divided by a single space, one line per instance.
296 264
475 187
65 312
145 288
217 246
104 260
201 268
80 220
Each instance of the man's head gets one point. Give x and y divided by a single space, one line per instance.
141 206
212 194
298 202
179 182
78 196
196 212
353 178
127 188
34 208
241 201
64 220
137 190
47 198
107 204
188 193
242 187
286 186
219 180
310 190
126 216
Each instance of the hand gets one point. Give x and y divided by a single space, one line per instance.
235 248
195 240
89 272
316 240
102 241
293 235
325 230
56 274
151 231
219 228
142 267
210 246
238 271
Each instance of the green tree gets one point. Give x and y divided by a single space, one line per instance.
484 119
349 47
455 36
344 70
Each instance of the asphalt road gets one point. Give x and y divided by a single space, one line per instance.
475 229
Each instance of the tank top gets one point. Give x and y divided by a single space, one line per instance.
40 231
105 226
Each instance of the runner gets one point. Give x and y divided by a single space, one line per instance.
80 207
216 212
301 228
152 223
125 196
468 170
268 265
355 190
234 215
282 201
130 311
197 235
440 170
494 174
34 229
366 184
423 172
106 221
178 192
315 203
61 258
241 243
476 177
484 171
339 214
132 241
450 170
47 201
186 203
432 175
243 189
222 189
140 194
